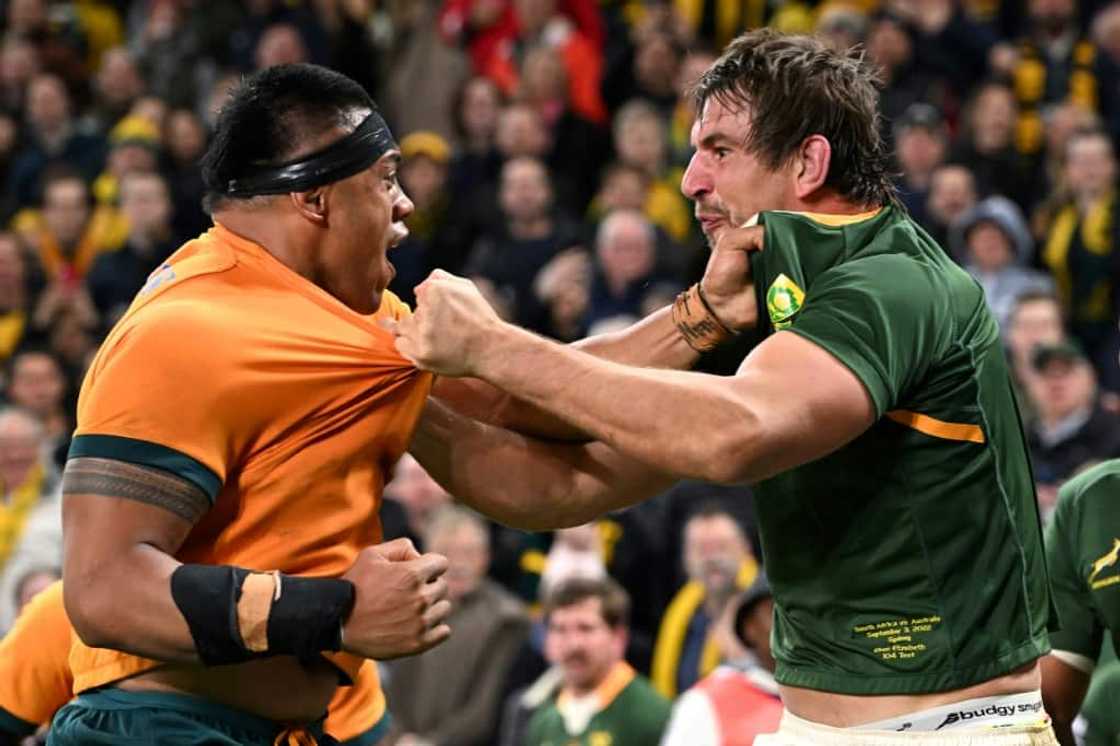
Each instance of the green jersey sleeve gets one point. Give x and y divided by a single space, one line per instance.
1080 629
879 316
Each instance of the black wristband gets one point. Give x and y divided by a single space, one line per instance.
304 621
307 617
207 598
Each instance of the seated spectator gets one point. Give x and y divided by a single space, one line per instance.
719 563
475 113
995 246
1081 245
134 145
451 694
531 235
952 193
921 142
600 699
625 254
989 147
69 232
412 498
53 137
579 146
117 276
541 22
37 384
641 141
1035 319
1072 429
562 290
184 139
739 700
116 86
906 82
423 176
15 296
30 507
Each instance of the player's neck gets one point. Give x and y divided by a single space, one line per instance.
828 202
274 234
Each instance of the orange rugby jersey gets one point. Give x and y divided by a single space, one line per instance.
283 404
35 678
35 675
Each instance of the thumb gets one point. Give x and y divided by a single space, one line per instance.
390 325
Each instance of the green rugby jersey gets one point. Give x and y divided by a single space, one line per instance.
910 560
1083 553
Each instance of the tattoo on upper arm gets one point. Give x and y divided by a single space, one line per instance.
112 478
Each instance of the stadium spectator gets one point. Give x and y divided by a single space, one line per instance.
952 193
476 111
625 257
921 144
53 135
16 296
280 44
542 22
641 141
19 63
1081 246
70 231
579 146
647 68
739 700
419 495
30 513
532 234
1072 430
988 146
601 698
452 696
905 81
134 145
117 86
184 140
430 244
37 383
117 276
562 288
1054 62
719 563
994 244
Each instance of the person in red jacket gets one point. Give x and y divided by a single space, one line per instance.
739 700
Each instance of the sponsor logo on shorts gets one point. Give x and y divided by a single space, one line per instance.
988 713
783 300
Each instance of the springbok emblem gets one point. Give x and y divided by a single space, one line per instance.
1106 561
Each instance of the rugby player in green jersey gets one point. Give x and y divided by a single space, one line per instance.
894 495
1083 553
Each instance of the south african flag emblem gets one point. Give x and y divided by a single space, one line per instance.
783 300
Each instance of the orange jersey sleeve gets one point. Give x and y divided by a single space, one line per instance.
35 678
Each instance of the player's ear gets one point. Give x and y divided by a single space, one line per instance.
813 160
313 204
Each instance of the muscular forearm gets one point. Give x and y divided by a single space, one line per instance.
687 424
125 603
523 482
653 342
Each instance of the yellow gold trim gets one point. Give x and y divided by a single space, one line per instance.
936 428
835 220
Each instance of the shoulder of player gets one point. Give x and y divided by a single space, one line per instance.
1091 487
886 277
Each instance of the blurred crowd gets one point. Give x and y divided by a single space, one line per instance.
543 143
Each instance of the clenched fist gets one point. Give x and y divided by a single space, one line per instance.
728 285
400 604
452 329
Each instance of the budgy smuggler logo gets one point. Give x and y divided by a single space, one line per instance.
783 300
